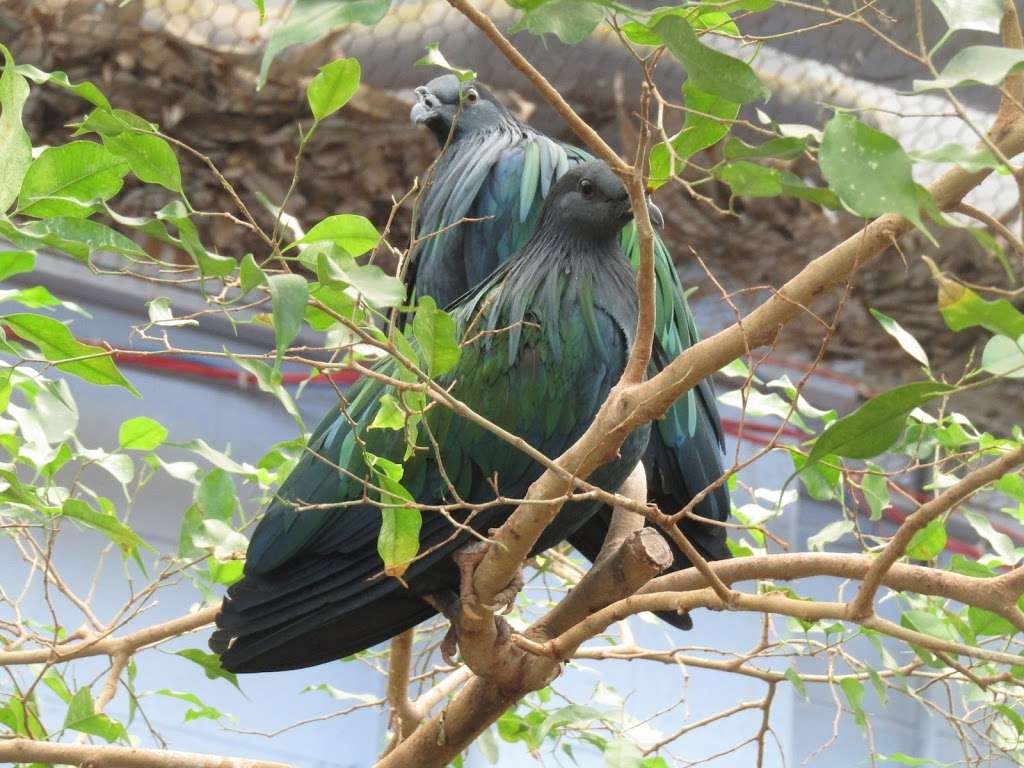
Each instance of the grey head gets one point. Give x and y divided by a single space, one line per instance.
590 202
446 100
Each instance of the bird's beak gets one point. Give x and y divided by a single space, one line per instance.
657 219
421 113
424 110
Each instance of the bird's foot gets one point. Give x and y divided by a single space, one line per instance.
450 643
468 559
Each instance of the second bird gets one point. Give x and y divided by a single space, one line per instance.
496 171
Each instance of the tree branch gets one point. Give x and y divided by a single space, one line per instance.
105 645
89 755
862 604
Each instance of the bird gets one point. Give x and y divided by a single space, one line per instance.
545 337
492 175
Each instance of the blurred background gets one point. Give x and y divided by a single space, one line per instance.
192 65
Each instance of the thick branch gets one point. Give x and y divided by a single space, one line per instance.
624 522
863 603
88 755
404 716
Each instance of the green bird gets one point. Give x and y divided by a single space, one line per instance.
546 336
497 171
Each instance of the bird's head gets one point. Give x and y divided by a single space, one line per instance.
592 201
446 100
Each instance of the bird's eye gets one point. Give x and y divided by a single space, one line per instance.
586 188
472 95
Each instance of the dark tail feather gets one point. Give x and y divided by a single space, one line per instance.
316 639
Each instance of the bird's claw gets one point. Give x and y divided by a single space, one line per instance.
468 559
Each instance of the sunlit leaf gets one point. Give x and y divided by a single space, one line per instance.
15 144
58 345
333 86
909 344
66 180
141 434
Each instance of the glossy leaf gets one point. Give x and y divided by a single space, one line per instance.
710 70
15 144
877 424
868 170
288 294
928 542
333 86
81 716
399 538
67 180
80 238
141 434
909 344
982 64
57 344
150 157
571 21
16 262
107 524
353 234
437 336
707 121
311 20
434 58
1004 356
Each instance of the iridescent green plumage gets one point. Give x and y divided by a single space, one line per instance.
496 171
547 337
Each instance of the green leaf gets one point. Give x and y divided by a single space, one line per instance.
710 70
82 716
798 684
16 262
150 157
962 308
904 759
210 264
399 539
106 523
787 148
210 663
1001 544
980 15
830 533
821 478
79 237
750 179
141 434
875 486
269 380
15 144
928 542
437 336
982 64
909 344
201 710
288 294
434 58
1004 357
260 6
877 424
331 89
389 414
160 314
572 21
311 20
970 159
984 622
622 753
353 234
250 274
84 90
700 131
57 344
215 495
67 180
868 170
854 691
